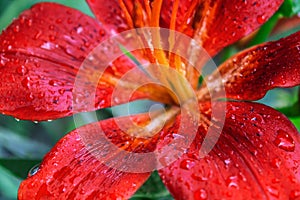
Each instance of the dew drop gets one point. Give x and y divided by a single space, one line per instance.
261 19
29 22
2 63
55 99
199 177
16 29
22 19
54 83
41 95
61 91
273 191
232 181
227 161
59 21
200 194
79 30
26 83
33 170
187 164
52 38
22 70
295 194
284 141
276 162
38 34
102 32
30 97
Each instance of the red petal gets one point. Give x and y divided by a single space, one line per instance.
40 55
216 24
110 14
250 74
75 168
256 157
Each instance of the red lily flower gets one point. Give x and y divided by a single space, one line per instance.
257 154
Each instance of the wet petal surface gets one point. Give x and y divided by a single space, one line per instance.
256 157
83 165
251 73
214 24
40 55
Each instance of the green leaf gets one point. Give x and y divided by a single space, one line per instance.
9 184
12 8
280 98
153 189
264 32
286 9
12 144
296 7
19 167
290 8
296 122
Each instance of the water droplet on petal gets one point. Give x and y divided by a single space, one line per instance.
276 162
16 29
273 191
30 97
22 70
54 83
58 21
51 27
33 170
284 141
232 181
261 19
29 22
187 164
38 34
52 38
26 83
22 19
200 194
55 99
2 63
61 91
227 161
79 30
295 194
102 32
41 95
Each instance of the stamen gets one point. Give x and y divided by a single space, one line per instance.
172 57
148 10
174 14
126 13
188 14
138 15
155 15
155 124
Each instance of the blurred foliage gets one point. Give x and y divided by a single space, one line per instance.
24 143
153 189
